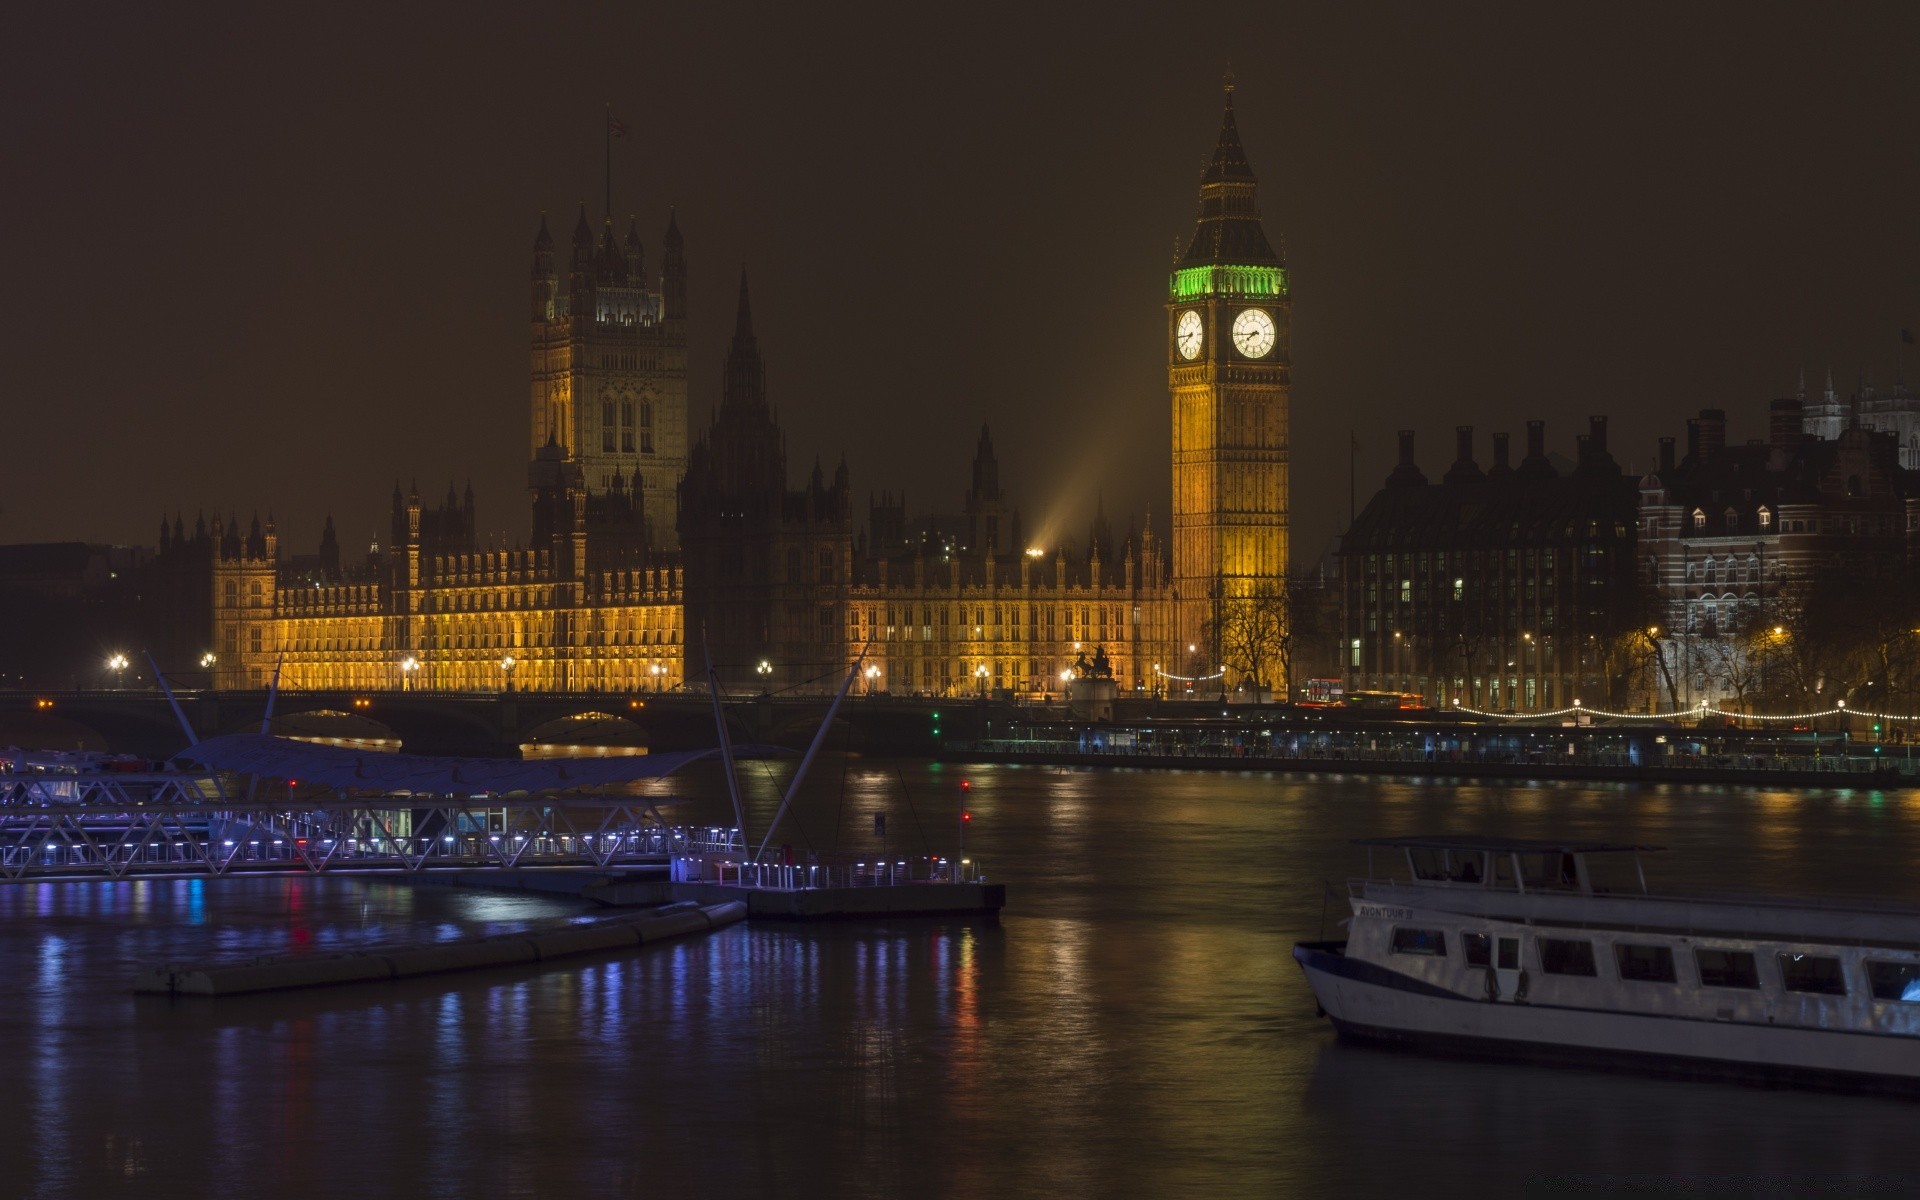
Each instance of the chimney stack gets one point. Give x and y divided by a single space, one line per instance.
1536 439
1463 443
1666 455
1713 431
1783 424
1406 447
1597 435
1500 452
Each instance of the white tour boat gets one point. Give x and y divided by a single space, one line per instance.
1557 951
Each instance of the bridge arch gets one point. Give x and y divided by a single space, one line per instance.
590 732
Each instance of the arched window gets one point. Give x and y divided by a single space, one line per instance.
1733 519
1713 571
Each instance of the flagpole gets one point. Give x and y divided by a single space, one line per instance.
606 132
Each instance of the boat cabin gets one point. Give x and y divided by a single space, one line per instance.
1518 865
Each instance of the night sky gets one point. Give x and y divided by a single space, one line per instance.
265 258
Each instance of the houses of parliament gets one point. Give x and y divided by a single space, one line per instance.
655 549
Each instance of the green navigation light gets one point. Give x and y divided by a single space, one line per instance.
1266 282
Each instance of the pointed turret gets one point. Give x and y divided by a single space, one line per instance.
1229 230
673 270
635 253
546 277
1100 537
580 267
610 262
582 240
543 249
329 551
745 374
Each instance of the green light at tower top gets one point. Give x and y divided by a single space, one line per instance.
1190 283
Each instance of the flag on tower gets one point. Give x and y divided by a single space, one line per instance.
615 126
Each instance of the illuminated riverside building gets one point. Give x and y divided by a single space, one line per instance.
1229 369
649 555
609 378
580 613
963 608
1501 588
1729 530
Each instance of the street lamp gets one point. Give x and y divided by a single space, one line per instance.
656 670
507 665
207 660
980 673
873 676
763 670
408 666
117 663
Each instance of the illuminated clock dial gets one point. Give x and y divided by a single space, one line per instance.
1253 333
1186 336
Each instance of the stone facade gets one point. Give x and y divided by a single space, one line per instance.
1229 370
1496 589
650 558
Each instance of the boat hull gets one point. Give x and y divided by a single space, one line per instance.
1368 1002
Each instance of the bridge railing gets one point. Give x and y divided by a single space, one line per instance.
63 839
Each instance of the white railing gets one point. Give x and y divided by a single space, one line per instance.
792 877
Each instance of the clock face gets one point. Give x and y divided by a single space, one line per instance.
1186 336
1253 333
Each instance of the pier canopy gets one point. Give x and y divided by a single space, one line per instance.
345 768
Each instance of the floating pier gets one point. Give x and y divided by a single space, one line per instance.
280 973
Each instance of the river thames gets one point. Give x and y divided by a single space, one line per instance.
1132 1026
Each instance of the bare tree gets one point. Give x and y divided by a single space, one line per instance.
1255 633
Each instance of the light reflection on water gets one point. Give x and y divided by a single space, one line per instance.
1133 1026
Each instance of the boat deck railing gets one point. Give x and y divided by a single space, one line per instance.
858 873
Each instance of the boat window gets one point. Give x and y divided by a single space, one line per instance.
1812 973
1503 871
1427 864
1564 956
1548 872
1474 946
1509 954
1726 968
1648 964
1613 873
1430 942
1889 980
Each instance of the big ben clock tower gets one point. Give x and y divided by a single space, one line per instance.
1229 368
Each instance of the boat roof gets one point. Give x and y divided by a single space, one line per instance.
1504 845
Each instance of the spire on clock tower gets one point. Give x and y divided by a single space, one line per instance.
1228 230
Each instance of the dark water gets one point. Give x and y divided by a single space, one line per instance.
1133 1026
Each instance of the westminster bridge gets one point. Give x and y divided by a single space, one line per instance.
141 721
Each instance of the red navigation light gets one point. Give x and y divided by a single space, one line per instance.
966 785
966 816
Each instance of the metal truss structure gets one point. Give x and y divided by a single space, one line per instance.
124 826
